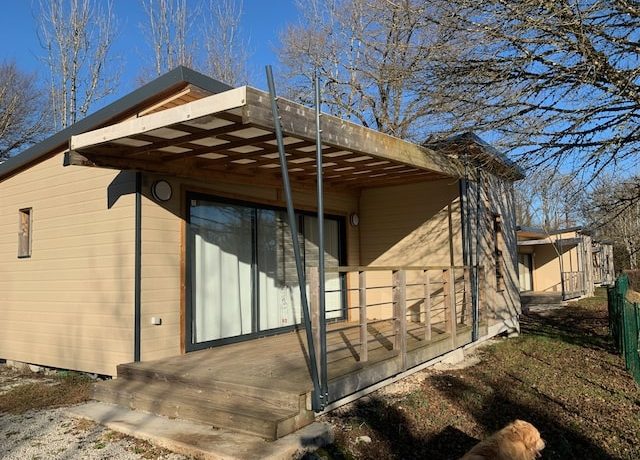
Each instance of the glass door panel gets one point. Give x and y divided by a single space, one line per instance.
222 270
279 291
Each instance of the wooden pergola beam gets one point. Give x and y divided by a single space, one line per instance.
201 108
299 121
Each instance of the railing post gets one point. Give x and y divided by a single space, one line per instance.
313 279
482 292
446 300
467 294
427 306
448 290
400 314
362 298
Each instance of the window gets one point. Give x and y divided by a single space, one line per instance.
497 232
24 232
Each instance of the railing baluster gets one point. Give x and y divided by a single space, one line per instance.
482 304
427 306
362 294
400 313
448 291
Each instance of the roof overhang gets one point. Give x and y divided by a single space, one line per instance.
470 145
231 134
560 242
170 85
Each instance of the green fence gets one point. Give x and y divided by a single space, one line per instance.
624 324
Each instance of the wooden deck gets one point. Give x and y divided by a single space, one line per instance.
263 386
400 318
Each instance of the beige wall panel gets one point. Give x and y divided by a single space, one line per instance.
58 314
546 273
75 292
408 225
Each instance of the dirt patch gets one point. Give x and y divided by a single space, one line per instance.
562 374
23 392
34 424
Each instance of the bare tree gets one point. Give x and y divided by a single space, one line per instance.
226 47
558 80
77 36
22 118
207 37
169 31
376 60
613 210
549 199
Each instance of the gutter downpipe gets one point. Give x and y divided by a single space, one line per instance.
464 217
475 286
293 227
137 315
321 274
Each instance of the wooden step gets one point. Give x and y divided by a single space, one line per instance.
219 409
257 395
530 299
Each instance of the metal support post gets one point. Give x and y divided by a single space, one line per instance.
320 192
317 394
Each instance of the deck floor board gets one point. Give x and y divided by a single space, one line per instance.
280 362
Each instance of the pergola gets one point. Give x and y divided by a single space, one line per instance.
231 135
244 134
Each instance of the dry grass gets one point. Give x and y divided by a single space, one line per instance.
562 374
633 296
46 394
138 446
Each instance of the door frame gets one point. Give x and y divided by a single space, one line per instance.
189 261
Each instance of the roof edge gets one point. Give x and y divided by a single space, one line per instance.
554 231
517 173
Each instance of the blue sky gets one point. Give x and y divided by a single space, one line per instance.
262 22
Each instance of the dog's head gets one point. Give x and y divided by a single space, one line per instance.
529 436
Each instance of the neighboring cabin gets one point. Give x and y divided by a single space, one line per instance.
156 227
561 264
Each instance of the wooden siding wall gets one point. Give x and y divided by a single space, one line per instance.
496 200
407 225
162 233
70 305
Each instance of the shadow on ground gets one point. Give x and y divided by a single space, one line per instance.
562 375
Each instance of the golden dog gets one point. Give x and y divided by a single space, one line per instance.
518 440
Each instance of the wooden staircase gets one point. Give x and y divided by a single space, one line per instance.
265 412
534 300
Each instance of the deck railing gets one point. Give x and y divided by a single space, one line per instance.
573 282
389 312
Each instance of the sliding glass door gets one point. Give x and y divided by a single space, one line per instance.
222 304
242 277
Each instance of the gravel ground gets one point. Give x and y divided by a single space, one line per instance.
52 434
